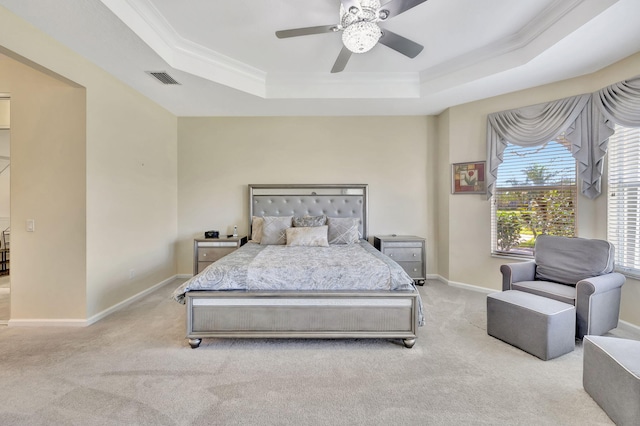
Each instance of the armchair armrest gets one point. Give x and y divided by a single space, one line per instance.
600 284
516 272
598 304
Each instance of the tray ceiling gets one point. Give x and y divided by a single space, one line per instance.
228 61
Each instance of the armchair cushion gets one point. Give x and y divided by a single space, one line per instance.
569 260
559 292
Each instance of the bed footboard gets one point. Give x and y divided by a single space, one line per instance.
302 315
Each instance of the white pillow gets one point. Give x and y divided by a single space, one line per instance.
273 230
310 236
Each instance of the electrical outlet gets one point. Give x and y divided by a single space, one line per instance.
31 225
132 274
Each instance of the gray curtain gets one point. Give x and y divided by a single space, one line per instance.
587 120
619 103
538 124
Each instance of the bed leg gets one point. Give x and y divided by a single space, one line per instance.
194 343
408 343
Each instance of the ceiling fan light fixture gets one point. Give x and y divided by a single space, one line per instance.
368 13
360 31
360 37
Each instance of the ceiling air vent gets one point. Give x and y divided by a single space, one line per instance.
162 77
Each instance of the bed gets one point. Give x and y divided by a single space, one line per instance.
337 290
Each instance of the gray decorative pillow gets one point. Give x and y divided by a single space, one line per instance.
343 230
307 220
256 228
274 230
310 236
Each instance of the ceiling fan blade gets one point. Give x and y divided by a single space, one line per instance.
306 31
400 44
396 7
342 60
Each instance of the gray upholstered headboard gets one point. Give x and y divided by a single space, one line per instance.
314 200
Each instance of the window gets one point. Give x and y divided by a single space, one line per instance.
623 229
535 194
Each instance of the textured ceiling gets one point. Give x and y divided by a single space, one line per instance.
229 62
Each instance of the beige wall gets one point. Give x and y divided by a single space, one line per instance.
48 186
131 193
117 217
468 218
433 184
442 196
218 157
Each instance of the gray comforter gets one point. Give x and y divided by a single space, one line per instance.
256 267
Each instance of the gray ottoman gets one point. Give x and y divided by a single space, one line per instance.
541 326
611 375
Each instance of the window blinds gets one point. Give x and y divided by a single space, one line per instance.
535 194
624 198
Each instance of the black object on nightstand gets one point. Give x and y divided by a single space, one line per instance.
408 251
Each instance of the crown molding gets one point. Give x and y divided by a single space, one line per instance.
142 17
342 86
557 21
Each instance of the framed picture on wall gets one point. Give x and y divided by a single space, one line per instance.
468 178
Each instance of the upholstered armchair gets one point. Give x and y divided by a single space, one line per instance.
577 271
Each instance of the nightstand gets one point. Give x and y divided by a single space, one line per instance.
408 251
208 250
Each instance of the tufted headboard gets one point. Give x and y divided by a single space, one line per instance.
299 200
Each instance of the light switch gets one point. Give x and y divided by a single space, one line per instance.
31 225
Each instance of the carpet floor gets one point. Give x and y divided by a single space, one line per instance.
135 367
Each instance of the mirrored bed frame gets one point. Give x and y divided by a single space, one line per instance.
308 314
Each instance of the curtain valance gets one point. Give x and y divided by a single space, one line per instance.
536 125
618 104
587 120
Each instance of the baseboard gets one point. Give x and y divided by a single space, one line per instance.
128 301
184 276
47 323
464 285
472 287
93 319
627 326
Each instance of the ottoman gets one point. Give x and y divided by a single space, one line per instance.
611 375
538 325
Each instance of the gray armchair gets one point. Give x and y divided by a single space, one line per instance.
577 271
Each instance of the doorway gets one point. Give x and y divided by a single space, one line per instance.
5 210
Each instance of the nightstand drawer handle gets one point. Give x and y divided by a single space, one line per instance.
415 269
204 254
414 255
390 254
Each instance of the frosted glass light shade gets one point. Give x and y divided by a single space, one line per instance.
360 37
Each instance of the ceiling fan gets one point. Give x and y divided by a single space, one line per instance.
360 31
